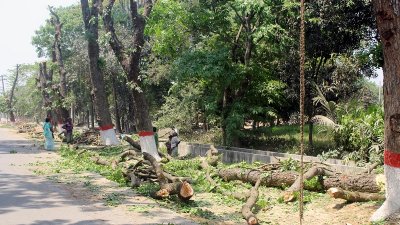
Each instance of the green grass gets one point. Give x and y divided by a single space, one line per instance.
286 138
81 163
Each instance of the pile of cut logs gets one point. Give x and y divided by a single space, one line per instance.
140 167
89 137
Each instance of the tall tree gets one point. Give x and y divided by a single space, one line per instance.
62 110
11 97
91 21
129 58
387 14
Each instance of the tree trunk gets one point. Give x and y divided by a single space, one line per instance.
116 109
224 117
10 100
90 18
130 62
92 111
63 111
387 14
45 79
310 134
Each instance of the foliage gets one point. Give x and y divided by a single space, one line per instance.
289 165
360 135
113 199
81 162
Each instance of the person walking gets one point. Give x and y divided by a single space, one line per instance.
48 135
174 142
68 127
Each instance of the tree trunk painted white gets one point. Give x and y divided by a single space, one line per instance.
387 14
108 137
148 144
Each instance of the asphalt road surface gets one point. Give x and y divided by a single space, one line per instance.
29 199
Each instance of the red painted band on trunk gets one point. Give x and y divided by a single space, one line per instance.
146 133
392 158
106 127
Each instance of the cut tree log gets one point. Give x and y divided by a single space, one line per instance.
251 201
183 189
353 196
359 182
134 144
275 178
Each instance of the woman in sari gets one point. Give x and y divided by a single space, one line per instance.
48 135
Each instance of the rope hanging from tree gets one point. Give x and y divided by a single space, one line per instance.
302 93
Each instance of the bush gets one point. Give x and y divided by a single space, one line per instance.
360 134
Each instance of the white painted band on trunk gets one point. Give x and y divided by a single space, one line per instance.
148 144
392 203
108 137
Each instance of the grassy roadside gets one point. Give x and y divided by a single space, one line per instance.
206 207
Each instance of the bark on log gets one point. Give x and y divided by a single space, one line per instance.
359 182
251 201
275 178
289 194
157 168
125 154
351 196
133 143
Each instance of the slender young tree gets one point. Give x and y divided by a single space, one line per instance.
44 81
91 21
387 14
11 97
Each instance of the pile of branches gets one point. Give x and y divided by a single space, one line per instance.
351 187
27 128
89 137
141 167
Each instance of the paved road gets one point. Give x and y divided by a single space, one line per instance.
28 199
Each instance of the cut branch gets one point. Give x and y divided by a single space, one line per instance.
359 182
251 201
351 196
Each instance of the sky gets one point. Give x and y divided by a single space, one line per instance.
18 21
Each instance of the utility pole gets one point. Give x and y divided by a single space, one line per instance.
2 81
